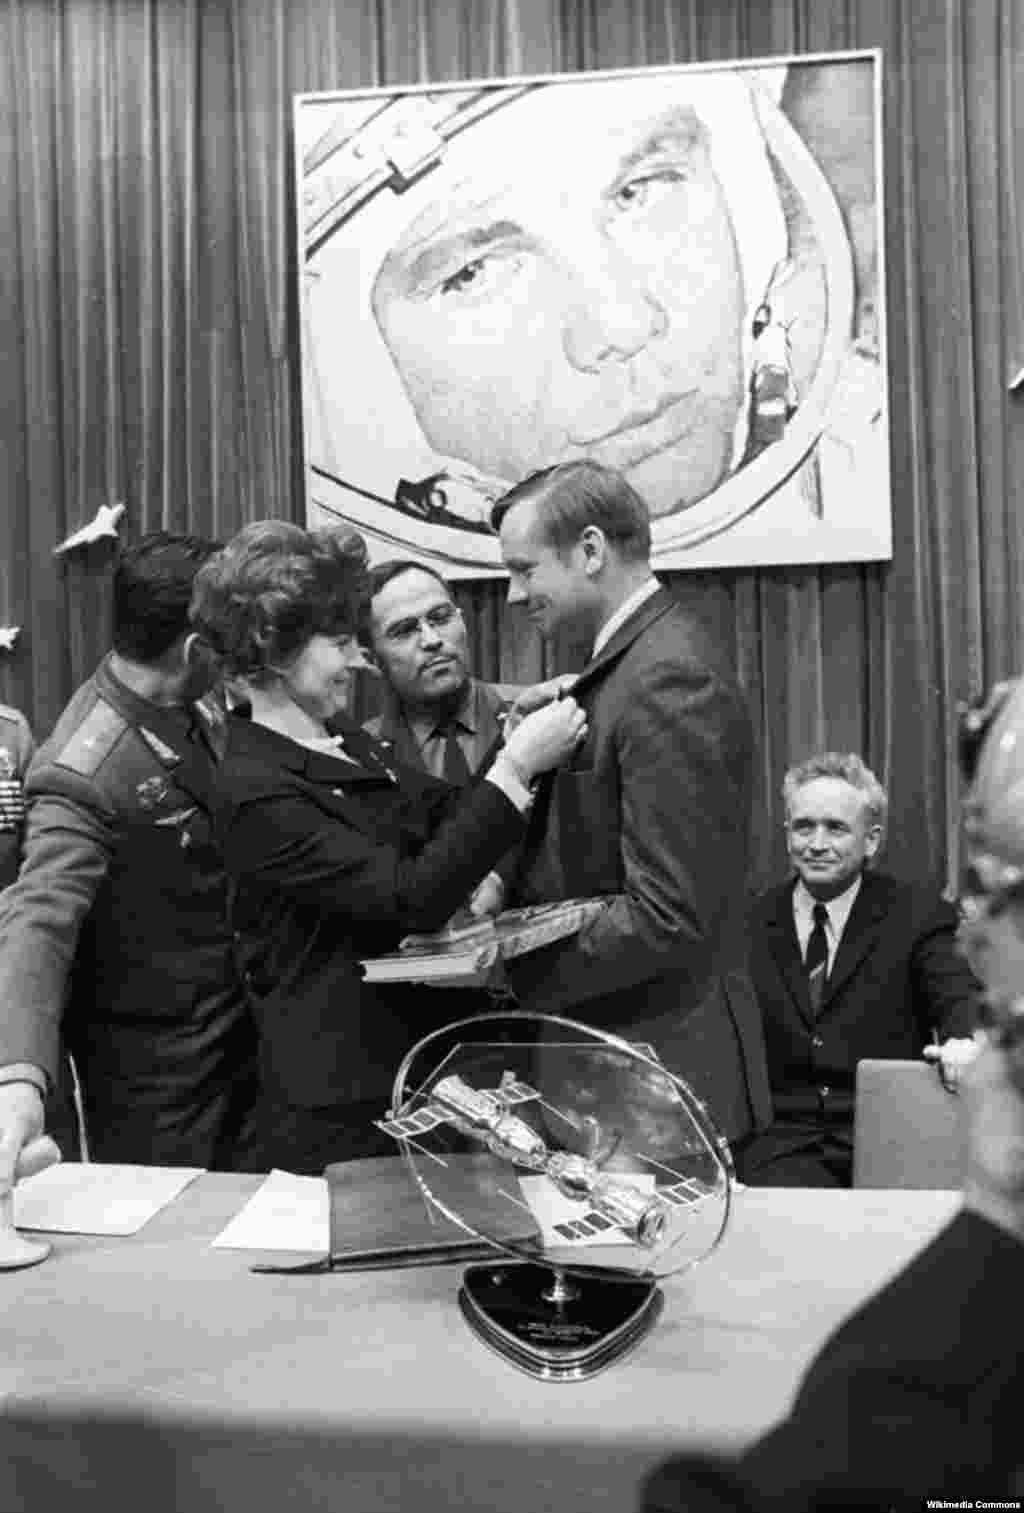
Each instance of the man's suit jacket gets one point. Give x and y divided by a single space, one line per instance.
897 975
911 1398
489 701
653 812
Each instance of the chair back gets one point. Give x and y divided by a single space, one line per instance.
906 1127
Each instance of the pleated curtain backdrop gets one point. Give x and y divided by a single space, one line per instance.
148 311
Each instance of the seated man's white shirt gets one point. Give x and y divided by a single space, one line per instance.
837 910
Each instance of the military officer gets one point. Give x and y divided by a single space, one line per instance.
114 937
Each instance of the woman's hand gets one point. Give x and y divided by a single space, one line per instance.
546 737
536 697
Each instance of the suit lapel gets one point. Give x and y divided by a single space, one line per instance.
651 610
395 733
780 935
486 708
859 938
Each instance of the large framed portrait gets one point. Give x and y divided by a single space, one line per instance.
675 271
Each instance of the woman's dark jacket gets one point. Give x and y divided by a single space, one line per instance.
330 861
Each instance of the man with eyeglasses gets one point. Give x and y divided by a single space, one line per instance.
436 715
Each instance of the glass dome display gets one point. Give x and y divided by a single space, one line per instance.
578 1156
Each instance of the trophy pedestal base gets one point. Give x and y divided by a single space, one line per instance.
559 1328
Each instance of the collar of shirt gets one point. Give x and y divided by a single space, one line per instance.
837 909
424 726
622 614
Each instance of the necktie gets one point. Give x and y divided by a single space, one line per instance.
455 768
816 959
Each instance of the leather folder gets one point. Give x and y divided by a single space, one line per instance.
380 1219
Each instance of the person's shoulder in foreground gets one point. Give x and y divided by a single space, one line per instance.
917 1394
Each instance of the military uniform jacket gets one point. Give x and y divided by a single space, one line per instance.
117 927
653 811
16 748
332 860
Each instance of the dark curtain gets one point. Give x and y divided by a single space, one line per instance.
148 310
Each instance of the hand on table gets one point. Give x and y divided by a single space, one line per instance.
21 1122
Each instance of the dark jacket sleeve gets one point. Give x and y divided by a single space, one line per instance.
946 991
282 840
917 1395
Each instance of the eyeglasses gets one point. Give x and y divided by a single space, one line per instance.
434 619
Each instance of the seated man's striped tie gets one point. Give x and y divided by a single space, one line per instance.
816 959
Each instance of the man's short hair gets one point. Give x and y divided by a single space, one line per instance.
152 591
573 495
380 575
848 767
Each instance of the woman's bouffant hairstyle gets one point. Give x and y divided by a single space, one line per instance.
272 588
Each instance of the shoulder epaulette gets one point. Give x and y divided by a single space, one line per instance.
94 739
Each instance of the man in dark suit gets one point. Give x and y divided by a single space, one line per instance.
916 1397
114 940
847 963
652 811
436 716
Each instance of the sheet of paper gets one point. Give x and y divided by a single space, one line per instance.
551 1208
85 1198
284 1213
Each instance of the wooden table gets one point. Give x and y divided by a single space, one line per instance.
163 1373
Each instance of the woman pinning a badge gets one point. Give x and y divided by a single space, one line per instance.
335 851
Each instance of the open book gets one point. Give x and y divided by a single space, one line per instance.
468 952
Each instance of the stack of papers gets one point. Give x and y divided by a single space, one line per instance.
85 1198
284 1213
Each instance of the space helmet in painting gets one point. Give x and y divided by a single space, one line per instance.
502 277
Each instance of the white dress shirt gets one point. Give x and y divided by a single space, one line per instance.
837 910
622 614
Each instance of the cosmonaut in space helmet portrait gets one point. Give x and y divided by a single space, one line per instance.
648 268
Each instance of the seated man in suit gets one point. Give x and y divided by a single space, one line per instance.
847 963
436 715
913 1398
